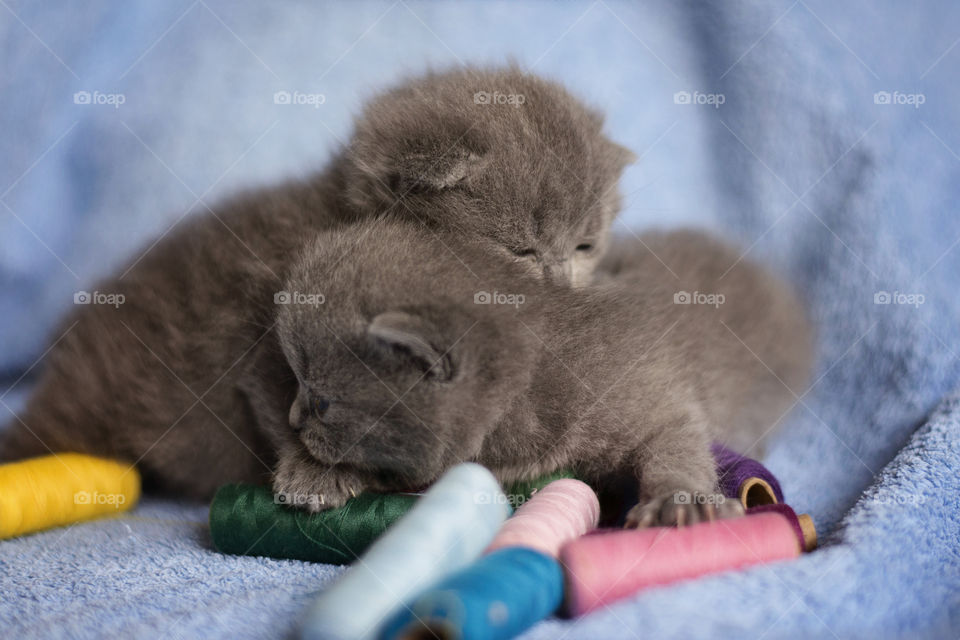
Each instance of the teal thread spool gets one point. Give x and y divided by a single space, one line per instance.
448 527
496 598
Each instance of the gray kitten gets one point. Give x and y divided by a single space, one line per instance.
409 368
157 380
502 156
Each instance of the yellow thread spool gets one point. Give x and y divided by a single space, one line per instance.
60 489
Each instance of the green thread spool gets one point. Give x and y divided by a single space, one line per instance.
245 520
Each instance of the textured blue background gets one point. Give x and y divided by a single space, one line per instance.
845 196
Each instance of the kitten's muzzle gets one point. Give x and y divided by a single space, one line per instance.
559 272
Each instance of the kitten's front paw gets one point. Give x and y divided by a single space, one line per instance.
312 487
682 507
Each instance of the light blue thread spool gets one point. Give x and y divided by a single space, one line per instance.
447 529
496 598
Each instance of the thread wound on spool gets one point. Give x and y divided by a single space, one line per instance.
497 597
247 520
447 528
62 489
802 524
606 567
734 470
562 511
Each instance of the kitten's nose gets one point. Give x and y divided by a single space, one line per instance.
558 272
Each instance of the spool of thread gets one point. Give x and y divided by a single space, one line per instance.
517 584
247 520
61 489
802 524
745 479
498 597
560 512
445 530
606 567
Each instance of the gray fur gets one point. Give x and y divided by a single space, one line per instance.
532 181
413 376
161 381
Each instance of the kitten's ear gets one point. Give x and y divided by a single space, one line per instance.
409 337
624 155
436 170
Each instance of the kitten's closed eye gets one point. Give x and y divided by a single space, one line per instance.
586 246
530 254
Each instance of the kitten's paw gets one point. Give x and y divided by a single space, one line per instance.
314 488
681 508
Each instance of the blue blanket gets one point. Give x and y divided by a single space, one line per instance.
822 136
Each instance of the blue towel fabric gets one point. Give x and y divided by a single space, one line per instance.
822 136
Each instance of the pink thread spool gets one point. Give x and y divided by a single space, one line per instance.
606 567
560 512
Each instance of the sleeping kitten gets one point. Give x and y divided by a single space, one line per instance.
155 380
404 371
499 155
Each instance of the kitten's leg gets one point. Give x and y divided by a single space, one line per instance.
678 479
311 485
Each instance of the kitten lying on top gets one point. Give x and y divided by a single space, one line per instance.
411 366
156 381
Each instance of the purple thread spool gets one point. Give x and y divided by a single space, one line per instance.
745 478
